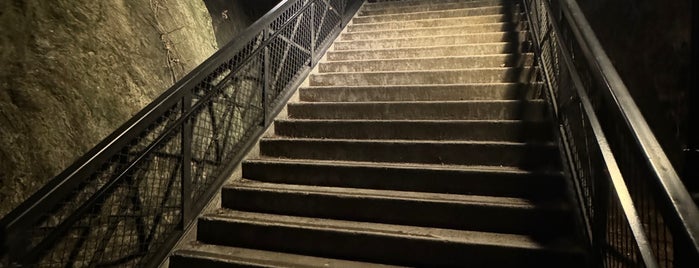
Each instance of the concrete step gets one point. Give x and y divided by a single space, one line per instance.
513 38
440 14
423 52
480 130
471 20
214 256
435 6
431 31
383 243
407 3
436 178
523 155
460 212
494 91
431 77
452 110
440 63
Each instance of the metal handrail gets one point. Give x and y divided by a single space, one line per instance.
672 201
252 44
612 169
678 198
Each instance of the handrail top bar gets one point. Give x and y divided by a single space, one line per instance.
110 145
678 196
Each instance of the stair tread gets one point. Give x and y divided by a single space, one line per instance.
428 6
402 121
426 71
263 258
494 7
434 28
378 40
435 19
410 102
344 192
472 21
413 48
383 4
399 141
415 166
393 230
430 58
417 85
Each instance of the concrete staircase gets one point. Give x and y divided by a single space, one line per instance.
419 142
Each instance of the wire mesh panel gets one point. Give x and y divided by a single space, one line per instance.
126 208
128 200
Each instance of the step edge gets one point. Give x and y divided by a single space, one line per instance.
473 69
395 195
264 160
416 48
410 142
434 12
465 57
243 257
432 28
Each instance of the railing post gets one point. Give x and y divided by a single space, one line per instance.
186 161
265 78
313 33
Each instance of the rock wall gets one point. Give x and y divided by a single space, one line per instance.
71 71
229 17
648 42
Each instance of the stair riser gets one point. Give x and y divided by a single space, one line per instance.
525 156
505 60
497 10
452 215
421 93
497 75
514 110
428 32
481 131
406 53
371 247
429 42
431 23
529 185
429 7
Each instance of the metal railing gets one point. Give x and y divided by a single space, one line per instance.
636 211
128 200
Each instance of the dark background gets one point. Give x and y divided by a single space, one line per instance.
650 44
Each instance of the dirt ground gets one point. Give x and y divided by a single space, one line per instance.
71 71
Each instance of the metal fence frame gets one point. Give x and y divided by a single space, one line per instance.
128 200
635 208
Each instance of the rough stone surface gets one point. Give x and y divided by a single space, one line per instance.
74 70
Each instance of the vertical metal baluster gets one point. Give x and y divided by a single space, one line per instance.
186 161
313 33
266 78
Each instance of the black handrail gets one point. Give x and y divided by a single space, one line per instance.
665 231
677 197
147 181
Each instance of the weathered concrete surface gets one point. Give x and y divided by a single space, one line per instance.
73 70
